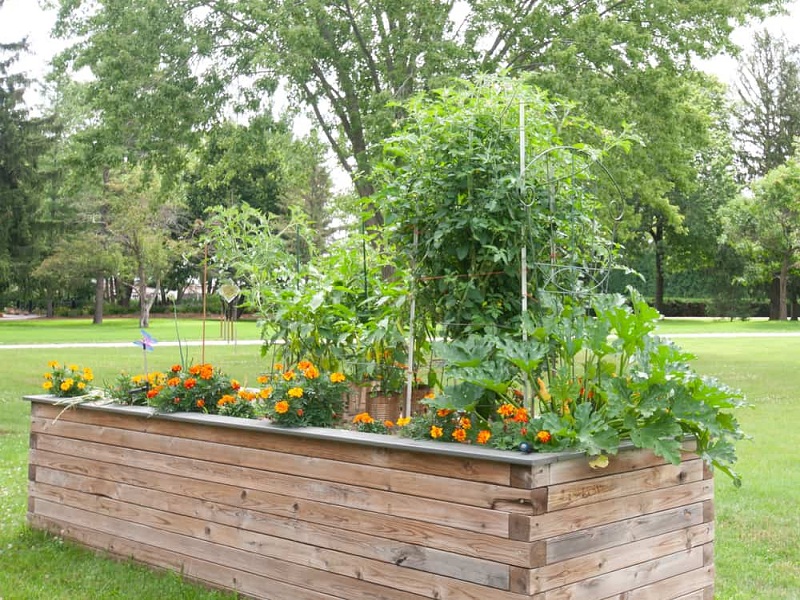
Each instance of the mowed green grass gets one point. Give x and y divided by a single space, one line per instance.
757 545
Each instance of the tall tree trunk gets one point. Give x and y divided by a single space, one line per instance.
99 296
658 242
774 299
782 290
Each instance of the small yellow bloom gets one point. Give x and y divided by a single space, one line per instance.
403 421
295 392
282 407
53 364
265 393
311 372
74 367
48 375
436 432
47 385
262 379
337 377
81 385
66 385
288 376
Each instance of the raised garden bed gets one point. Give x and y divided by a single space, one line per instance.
295 514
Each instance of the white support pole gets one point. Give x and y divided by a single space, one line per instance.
411 318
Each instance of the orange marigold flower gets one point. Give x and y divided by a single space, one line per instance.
403 421
278 366
521 415
226 399
176 368
483 436
299 412
262 379
206 372
200 403
311 372
176 400
190 383
288 376
295 392
543 436
388 423
235 384
195 369
443 412
464 423
363 417
459 435
153 392
282 407
430 396
265 393
337 377
247 395
173 381
436 432
303 365
507 410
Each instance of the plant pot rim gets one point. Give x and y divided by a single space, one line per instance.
346 436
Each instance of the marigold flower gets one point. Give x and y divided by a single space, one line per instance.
483 436
137 379
464 423
66 385
87 374
459 435
247 395
278 366
521 415
403 421
288 376
363 417
295 392
507 410
47 385
282 407
262 379
543 436
176 368
206 372
304 364
48 376
195 370
226 399
153 392
436 432
190 383
200 403
265 393
299 412
81 385
53 364
173 381
311 372
387 423
443 412
176 400
73 367
430 396
337 377
235 384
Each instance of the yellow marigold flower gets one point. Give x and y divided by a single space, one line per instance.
363 417
66 385
74 367
430 396
311 372
279 366
48 376
459 435
88 375
53 364
265 393
403 421
282 407
288 376
262 379
543 436
48 385
226 399
295 392
507 410
136 379
483 436
337 377
81 385
304 364
436 432
464 423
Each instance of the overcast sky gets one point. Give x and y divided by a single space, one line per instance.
20 18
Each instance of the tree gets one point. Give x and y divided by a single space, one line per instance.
23 141
765 227
767 113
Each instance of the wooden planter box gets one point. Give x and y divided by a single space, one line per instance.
331 514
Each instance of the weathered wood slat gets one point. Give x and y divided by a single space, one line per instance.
417 484
233 526
699 581
201 571
614 559
424 509
468 470
594 539
608 511
608 487
228 500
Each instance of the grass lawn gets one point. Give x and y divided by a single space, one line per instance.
757 546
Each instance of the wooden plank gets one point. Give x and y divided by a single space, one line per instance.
430 486
613 559
692 585
608 511
363 579
415 462
214 575
475 519
624 461
228 500
581 493
233 527
630 578
618 533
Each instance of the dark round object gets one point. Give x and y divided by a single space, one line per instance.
525 447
